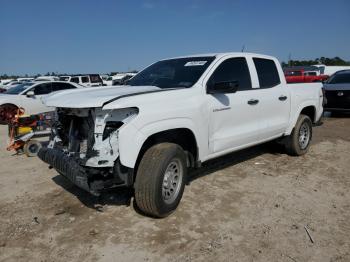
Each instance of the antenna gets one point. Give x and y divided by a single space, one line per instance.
243 48
289 58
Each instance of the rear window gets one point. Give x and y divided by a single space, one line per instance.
74 79
95 79
84 79
340 78
267 72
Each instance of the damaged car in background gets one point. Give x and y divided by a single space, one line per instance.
172 116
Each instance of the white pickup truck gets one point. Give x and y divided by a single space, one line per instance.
174 115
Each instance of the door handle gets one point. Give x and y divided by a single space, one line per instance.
282 98
253 102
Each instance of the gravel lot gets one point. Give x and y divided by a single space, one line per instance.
252 205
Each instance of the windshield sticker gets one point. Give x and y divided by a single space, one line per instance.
196 63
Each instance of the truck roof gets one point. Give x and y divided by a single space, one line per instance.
219 55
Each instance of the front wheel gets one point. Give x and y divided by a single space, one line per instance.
297 143
31 148
161 179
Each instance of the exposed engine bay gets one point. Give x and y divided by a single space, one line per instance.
84 146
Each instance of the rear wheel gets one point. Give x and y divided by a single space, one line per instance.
297 143
161 179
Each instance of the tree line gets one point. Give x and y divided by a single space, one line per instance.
335 61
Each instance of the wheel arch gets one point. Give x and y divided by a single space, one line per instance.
308 109
183 137
178 131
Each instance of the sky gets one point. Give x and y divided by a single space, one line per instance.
90 36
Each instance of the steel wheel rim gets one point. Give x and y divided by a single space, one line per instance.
172 181
304 135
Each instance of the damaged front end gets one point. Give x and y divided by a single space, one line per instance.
84 147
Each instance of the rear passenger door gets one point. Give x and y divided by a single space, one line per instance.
274 99
235 118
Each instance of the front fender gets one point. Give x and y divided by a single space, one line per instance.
131 138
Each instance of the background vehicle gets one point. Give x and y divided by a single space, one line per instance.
64 78
176 114
337 91
28 96
330 70
25 79
122 78
46 78
84 80
5 81
105 79
303 75
10 84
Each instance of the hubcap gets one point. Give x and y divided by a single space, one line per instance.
172 181
304 135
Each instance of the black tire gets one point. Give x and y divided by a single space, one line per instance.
292 144
149 184
32 147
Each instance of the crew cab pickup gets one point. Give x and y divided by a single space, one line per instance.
172 116
304 76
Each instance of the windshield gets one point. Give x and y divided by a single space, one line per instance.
18 89
340 78
180 72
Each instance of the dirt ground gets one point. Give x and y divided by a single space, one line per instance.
252 205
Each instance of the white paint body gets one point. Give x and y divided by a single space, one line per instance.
221 123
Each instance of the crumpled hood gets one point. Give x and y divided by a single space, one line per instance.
92 96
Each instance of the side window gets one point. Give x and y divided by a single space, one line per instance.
75 80
267 72
43 89
233 69
85 79
61 86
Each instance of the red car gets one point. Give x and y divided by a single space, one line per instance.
304 76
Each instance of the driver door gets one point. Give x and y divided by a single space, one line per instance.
33 104
234 117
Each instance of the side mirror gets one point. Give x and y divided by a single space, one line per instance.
223 87
30 93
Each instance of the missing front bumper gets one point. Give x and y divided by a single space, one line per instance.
68 167
92 180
